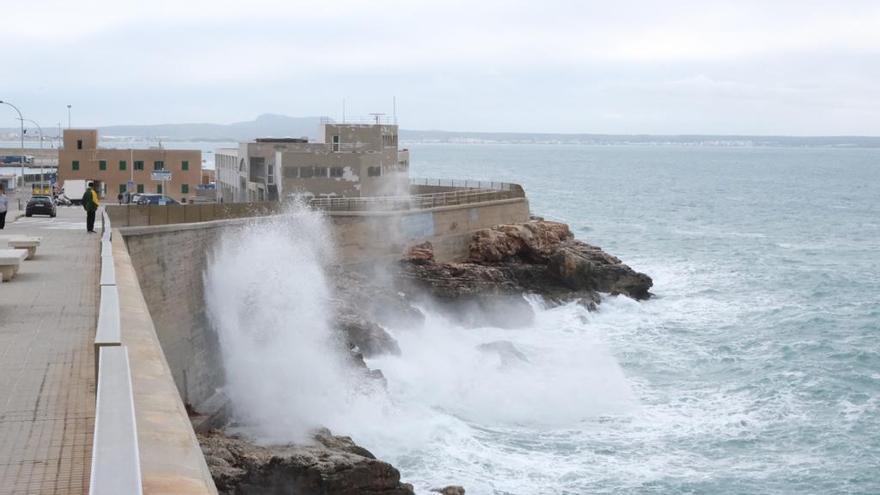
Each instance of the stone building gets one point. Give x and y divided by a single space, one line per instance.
353 160
112 169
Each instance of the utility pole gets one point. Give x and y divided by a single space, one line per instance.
21 135
42 179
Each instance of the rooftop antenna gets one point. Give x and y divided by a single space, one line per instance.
377 116
394 105
343 110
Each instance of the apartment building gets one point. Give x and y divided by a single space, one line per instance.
113 169
351 160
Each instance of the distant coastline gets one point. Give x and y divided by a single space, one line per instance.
270 125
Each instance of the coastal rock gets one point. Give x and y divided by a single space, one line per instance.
421 254
333 465
536 257
581 266
449 490
370 338
532 241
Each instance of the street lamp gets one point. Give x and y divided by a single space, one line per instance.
68 116
21 135
42 179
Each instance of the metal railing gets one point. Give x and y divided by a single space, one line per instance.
466 184
459 193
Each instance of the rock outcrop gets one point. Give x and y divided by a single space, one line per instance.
333 465
537 257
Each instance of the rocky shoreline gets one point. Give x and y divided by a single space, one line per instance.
504 263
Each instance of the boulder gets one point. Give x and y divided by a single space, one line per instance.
580 266
531 241
370 338
449 490
420 254
332 465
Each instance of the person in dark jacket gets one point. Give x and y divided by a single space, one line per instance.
90 203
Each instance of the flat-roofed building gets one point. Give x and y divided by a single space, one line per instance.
353 160
111 169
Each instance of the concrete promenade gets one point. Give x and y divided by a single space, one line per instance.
47 389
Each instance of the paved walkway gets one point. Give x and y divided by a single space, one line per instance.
47 387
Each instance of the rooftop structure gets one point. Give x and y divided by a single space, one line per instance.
352 160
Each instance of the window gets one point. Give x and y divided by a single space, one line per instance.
102 164
122 164
320 171
138 165
140 188
159 188
121 188
184 165
335 143
158 165
79 144
270 174
75 165
336 171
374 171
306 172
289 172
184 188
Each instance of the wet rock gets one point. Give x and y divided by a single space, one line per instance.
367 336
531 241
332 465
449 490
584 267
537 257
420 254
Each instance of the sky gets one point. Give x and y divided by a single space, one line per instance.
767 67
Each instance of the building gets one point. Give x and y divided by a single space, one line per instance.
112 169
352 160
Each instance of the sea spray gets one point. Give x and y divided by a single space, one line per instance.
451 394
267 298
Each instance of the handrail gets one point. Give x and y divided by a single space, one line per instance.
465 192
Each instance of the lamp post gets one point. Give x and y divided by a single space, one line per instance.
42 178
21 135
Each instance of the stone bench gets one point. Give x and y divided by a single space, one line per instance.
24 242
10 260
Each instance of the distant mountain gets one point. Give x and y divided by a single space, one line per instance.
274 125
266 125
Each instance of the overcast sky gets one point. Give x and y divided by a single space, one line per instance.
740 67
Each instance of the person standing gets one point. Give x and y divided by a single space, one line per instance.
90 203
4 205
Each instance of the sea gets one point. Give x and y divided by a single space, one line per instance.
754 368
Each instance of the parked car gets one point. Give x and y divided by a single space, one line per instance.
40 205
155 199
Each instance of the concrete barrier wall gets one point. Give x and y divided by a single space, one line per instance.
171 460
170 262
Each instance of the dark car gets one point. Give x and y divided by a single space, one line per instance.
155 199
40 205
